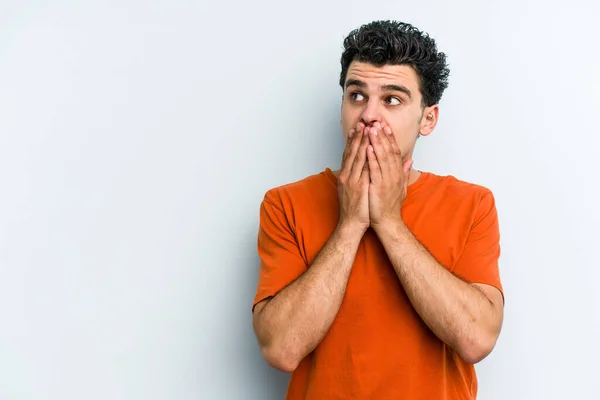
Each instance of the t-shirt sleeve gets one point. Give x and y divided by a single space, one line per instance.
280 259
478 262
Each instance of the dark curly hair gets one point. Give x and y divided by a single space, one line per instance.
398 43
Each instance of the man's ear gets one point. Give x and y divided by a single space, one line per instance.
429 119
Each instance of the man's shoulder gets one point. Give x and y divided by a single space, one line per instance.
312 188
458 194
453 186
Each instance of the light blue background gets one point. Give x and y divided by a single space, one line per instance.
137 139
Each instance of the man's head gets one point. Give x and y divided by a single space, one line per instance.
392 73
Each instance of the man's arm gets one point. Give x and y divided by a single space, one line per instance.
468 317
290 325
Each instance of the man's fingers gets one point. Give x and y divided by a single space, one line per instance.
385 143
353 136
387 133
360 162
349 140
374 168
365 179
379 151
393 144
388 141
350 156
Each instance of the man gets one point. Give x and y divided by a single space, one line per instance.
379 281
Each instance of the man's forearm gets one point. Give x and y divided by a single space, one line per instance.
295 321
459 313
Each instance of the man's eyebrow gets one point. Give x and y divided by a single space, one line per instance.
355 82
385 88
397 88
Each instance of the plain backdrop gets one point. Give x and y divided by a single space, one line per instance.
137 139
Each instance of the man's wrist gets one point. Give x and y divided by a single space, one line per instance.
392 228
351 230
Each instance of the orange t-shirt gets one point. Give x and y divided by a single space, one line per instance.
378 347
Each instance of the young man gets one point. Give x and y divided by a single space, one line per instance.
379 281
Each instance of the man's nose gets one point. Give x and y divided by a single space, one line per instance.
371 113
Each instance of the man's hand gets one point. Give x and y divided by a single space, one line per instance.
353 182
389 176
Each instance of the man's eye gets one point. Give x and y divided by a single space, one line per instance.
356 97
393 101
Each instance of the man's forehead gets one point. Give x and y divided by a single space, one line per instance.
380 75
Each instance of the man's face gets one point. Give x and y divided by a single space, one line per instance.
389 95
